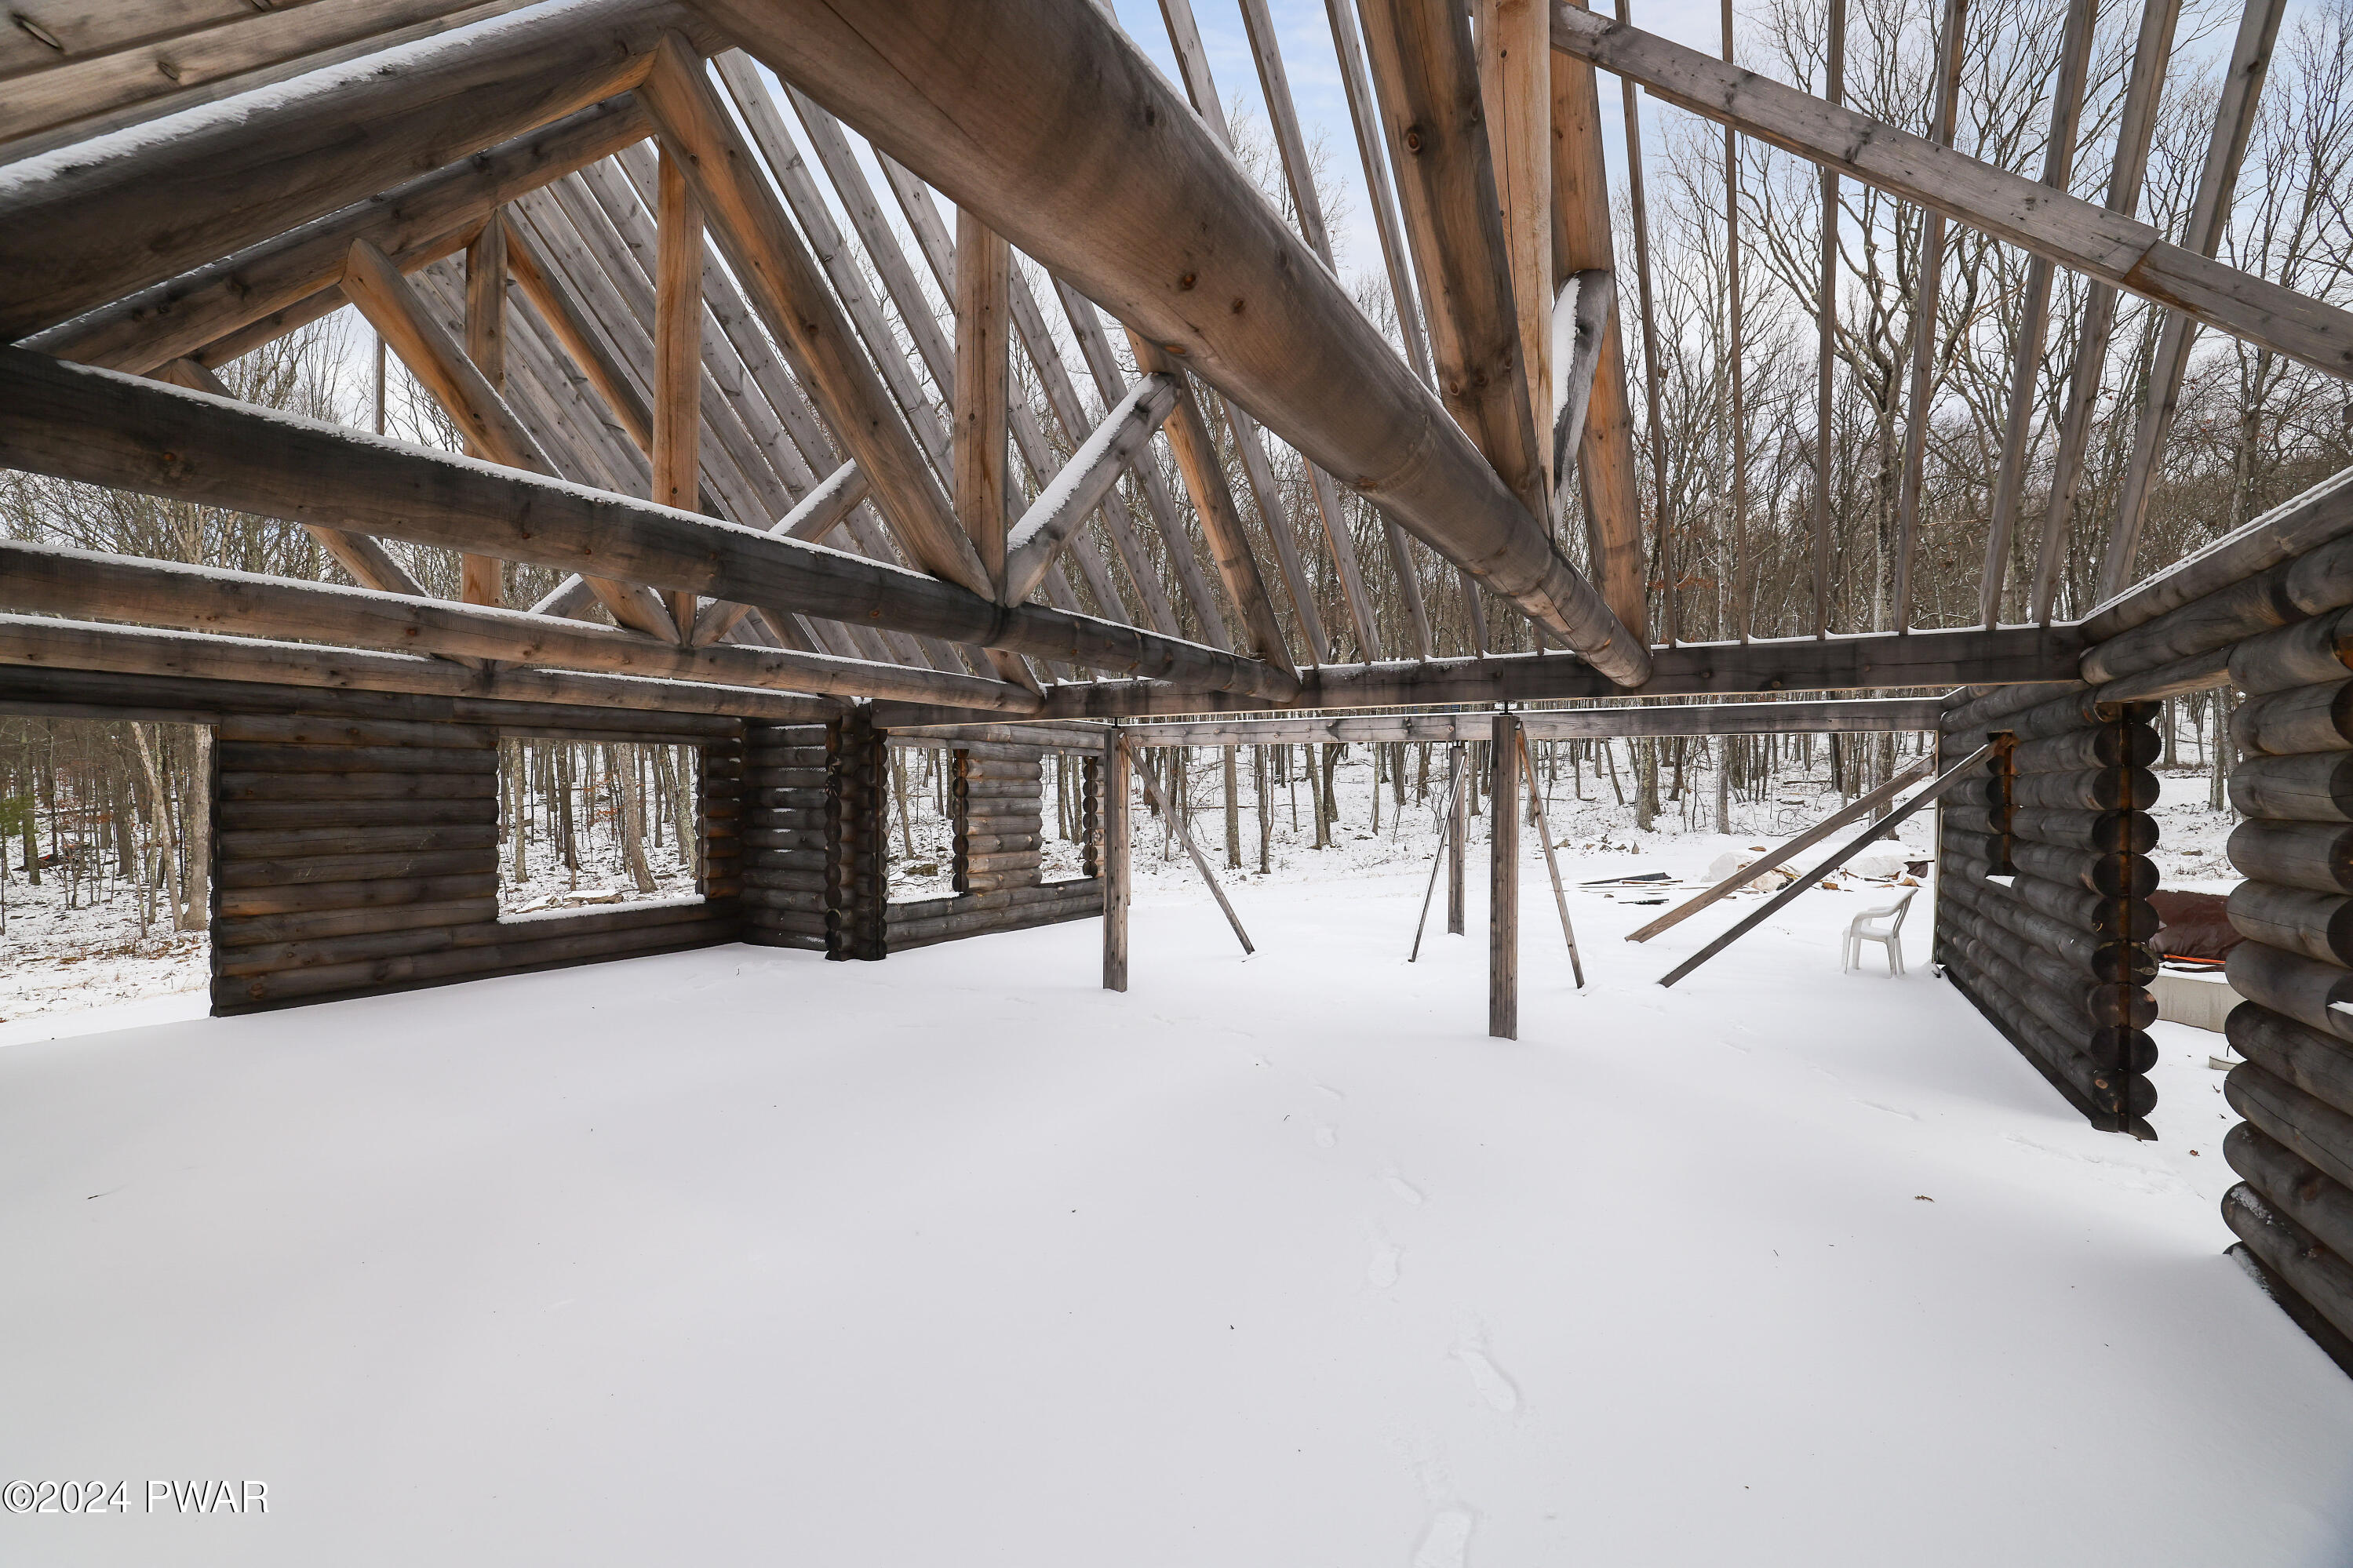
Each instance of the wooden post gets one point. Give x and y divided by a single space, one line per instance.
1458 836
983 281
1117 764
678 353
1503 881
486 301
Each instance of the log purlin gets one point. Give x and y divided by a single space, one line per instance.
99 426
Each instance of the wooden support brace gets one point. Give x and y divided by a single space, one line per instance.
1935 787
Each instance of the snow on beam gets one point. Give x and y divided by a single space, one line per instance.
1867 716
57 581
1877 661
99 428
90 224
35 650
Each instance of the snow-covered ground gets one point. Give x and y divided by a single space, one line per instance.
737 1253
602 878
54 959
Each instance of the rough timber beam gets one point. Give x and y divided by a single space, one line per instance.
1876 662
1112 182
2074 233
33 647
91 224
1424 65
154 62
1581 242
84 584
294 274
99 428
1869 716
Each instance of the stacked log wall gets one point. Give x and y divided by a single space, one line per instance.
2293 786
997 812
2043 920
997 806
857 843
353 857
784 835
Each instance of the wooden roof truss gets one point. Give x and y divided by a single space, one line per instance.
694 366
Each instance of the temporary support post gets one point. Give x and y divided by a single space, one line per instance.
1503 881
1864 806
1458 836
1552 861
1445 851
1184 829
1936 786
1116 764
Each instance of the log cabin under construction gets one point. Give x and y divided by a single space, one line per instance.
798 516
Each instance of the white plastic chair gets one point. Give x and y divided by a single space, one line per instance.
1890 937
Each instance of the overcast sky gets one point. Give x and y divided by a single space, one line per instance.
1304 29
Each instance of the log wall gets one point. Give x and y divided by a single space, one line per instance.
2042 917
784 835
353 857
857 839
996 803
2293 1208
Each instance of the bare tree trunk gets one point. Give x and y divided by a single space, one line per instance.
164 837
1233 810
198 806
1265 821
632 823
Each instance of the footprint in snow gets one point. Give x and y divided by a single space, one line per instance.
1499 1392
1445 1540
1404 1189
1325 1135
1382 1271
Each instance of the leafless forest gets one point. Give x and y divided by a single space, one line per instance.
115 809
